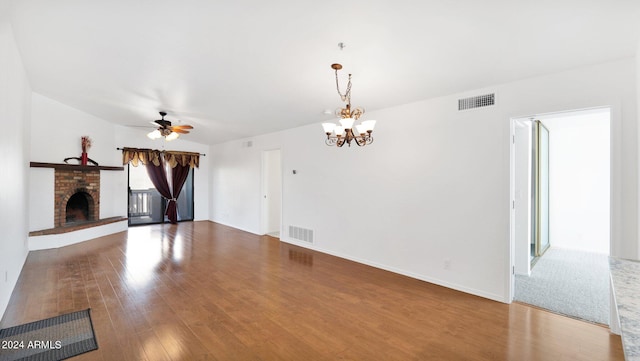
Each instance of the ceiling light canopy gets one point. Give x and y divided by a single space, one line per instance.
344 133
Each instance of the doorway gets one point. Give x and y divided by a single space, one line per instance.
271 192
560 177
146 204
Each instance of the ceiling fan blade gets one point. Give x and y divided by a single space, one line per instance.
162 123
182 126
178 130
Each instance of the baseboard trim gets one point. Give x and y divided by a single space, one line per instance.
453 286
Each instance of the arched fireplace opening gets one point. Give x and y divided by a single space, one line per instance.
79 208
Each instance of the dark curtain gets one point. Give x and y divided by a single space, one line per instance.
179 175
159 179
180 163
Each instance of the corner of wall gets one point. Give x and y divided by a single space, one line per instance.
15 113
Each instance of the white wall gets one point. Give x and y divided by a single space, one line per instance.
523 143
15 98
579 180
236 181
57 129
433 189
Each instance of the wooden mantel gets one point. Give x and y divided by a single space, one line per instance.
66 166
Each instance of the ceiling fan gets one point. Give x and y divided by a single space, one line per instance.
166 130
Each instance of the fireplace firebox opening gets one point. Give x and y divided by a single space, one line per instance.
79 208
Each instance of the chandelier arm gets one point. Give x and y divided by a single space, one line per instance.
363 140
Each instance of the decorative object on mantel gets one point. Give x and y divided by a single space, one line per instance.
86 144
73 166
84 159
344 132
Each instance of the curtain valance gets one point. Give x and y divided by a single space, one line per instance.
172 157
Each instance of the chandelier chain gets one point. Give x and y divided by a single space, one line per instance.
347 95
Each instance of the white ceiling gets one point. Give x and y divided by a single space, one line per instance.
235 69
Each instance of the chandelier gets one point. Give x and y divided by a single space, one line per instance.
344 133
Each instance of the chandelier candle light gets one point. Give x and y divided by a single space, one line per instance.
339 134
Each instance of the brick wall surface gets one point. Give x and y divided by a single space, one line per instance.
69 182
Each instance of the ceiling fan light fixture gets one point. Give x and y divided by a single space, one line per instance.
154 134
172 136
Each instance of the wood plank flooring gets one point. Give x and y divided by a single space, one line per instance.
203 291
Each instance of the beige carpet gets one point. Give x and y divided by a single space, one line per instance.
572 283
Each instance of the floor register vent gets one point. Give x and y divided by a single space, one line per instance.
301 234
477 102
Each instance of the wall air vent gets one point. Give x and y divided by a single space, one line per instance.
301 234
477 102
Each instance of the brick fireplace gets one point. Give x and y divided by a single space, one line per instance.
76 207
80 187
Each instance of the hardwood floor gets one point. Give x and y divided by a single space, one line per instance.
203 291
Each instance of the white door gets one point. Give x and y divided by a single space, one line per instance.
271 192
